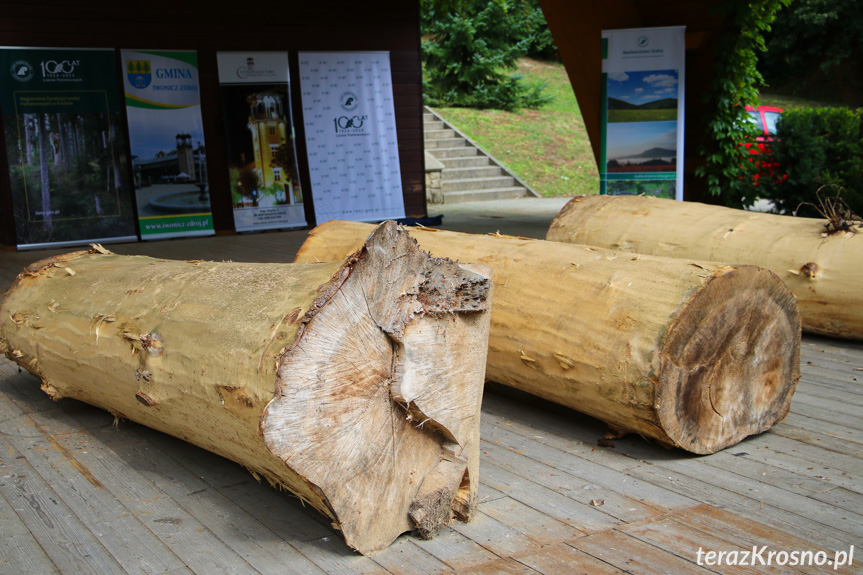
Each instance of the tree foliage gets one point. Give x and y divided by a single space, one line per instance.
820 32
815 48
469 50
735 83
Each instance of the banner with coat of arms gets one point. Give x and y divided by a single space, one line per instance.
65 146
166 136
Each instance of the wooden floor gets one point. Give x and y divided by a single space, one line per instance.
79 494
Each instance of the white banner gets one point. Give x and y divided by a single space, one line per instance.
642 111
262 164
351 136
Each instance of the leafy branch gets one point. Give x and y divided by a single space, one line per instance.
735 83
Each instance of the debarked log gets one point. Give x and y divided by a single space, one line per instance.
355 385
823 270
694 355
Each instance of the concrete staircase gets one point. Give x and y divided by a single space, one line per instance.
469 173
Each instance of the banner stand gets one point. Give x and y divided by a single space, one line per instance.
643 82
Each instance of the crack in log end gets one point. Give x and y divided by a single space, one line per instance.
375 394
730 361
465 501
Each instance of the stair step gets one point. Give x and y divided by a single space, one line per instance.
470 172
481 195
442 134
429 116
459 152
433 125
466 162
477 184
445 143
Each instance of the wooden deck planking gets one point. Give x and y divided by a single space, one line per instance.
560 494
65 539
635 556
131 544
456 550
184 537
799 486
685 532
19 550
564 558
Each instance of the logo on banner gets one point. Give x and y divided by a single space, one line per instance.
643 41
350 125
349 101
243 73
21 70
250 70
139 73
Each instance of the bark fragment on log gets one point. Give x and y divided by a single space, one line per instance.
824 272
355 385
694 355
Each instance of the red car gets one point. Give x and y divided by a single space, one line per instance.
765 118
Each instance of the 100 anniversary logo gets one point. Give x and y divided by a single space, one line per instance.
350 125
51 70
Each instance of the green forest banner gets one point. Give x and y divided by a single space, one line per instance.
65 147
262 163
166 137
642 111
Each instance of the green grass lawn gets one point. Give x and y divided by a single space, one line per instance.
547 148
642 115
786 102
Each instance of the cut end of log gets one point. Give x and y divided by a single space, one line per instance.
381 414
730 362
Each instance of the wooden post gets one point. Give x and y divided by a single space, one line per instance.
694 355
824 271
355 385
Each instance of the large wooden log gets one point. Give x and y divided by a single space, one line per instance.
691 354
355 385
825 272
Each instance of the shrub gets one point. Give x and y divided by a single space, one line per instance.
467 54
816 147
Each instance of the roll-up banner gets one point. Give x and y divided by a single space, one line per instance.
264 180
351 140
642 111
169 159
65 147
